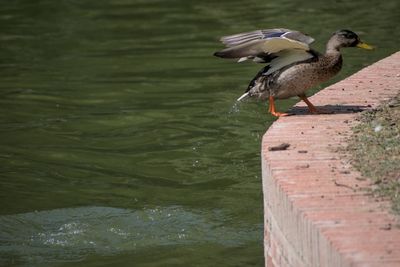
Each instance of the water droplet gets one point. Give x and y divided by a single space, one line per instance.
235 108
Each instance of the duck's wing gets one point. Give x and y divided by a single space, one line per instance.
262 45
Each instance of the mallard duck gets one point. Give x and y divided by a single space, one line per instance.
292 67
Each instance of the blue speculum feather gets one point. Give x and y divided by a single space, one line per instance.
275 34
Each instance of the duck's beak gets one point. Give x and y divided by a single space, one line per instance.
365 46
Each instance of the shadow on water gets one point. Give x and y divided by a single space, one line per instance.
72 234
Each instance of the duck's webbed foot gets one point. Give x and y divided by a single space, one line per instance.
272 110
279 114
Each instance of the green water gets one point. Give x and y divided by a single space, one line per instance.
120 140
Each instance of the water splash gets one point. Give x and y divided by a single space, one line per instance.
72 234
235 108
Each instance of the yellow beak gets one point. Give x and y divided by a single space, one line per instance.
365 46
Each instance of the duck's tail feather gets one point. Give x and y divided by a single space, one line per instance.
244 96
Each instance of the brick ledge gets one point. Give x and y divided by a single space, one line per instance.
313 213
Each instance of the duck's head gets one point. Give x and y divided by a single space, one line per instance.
346 38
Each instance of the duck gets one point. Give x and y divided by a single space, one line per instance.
291 66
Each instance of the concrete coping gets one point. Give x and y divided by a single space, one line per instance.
314 212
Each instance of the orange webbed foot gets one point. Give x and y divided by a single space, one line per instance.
272 110
279 114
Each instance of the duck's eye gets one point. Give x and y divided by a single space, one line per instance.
348 35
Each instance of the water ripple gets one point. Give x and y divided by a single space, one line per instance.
74 233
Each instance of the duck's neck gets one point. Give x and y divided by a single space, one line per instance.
332 49
333 52
332 60
333 46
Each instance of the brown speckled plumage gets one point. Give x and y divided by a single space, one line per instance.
297 78
292 67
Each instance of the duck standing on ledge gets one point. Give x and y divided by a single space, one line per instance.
292 66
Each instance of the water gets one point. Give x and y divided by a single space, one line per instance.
71 235
120 140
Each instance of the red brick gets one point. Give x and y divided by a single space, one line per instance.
316 213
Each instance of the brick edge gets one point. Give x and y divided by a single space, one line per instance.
314 214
